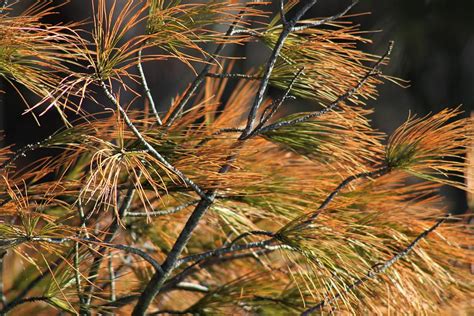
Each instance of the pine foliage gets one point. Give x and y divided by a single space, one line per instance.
226 201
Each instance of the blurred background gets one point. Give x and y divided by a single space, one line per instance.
434 50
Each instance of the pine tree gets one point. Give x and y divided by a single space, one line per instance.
226 201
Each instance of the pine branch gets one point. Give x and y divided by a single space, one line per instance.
325 20
3 300
211 261
288 27
224 250
126 248
378 269
147 89
275 106
157 281
251 233
364 175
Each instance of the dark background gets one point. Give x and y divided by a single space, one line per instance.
434 50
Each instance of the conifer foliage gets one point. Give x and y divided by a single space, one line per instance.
226 201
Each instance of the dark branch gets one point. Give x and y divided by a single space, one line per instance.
168 211
286 31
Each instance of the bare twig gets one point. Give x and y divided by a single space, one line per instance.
378 269
224 250
364 175
32 299
147 89
374 70
126 248
251 233
325 20
112 278
22 152
273 108
210 261
168 211
77 276
93 272
202 75
192 287
3 300
219 132
233 76
286 31
282 12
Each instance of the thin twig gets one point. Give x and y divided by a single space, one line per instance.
148 146
192 287
224 250
210 261
77 275
126 248
112 278
325 20
364 175
378 269
202 75
273 108
251 233
233 76
219 132
374 70
169 312
282 12
3 300
168 211
147 89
